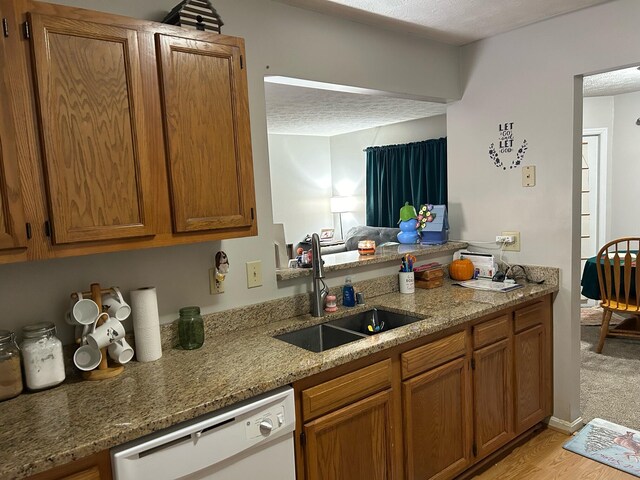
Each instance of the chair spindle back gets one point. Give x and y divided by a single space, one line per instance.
616 267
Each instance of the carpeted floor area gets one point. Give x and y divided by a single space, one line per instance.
610 382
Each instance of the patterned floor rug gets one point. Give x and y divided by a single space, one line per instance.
608 443
593 316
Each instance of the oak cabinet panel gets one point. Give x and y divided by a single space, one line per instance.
493 397
353 442
207 135
438 426
12 223
89 94
529 378
93 467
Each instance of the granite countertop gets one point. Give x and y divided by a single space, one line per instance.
54 427
348 260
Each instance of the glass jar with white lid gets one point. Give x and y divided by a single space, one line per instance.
42 356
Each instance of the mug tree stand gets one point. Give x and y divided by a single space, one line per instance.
103 370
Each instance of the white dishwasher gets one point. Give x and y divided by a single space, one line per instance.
251 439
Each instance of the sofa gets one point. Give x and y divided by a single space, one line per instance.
361 232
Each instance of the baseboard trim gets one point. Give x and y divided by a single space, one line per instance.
565 427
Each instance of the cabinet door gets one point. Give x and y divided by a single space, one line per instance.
207 134
437 413
93 467
89 90
493 397
12 224
352 443
529 369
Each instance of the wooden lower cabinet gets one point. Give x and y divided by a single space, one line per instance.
93 467
353 442
437 426
493 393
432 408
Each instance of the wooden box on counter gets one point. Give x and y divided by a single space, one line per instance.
431 278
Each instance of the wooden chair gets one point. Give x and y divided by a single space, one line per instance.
616 266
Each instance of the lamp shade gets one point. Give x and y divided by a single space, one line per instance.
341 204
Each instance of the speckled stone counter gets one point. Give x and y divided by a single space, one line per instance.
348 260
46 429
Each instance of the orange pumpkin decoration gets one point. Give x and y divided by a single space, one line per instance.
461 269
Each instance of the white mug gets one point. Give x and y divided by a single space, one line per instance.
121 351
87 358
118 308
106 334
84 312
407 284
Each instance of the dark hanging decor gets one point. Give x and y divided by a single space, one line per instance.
198 14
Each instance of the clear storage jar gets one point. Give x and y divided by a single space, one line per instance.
42 356
190 328
10 366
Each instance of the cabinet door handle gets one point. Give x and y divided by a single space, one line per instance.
28 231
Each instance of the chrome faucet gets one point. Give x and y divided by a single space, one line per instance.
319 294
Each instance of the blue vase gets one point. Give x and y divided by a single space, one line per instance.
408 232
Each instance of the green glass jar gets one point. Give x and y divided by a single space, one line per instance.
190 328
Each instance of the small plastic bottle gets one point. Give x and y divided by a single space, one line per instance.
348 294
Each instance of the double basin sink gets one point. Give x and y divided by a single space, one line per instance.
347 329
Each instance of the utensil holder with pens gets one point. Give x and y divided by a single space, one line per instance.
406 282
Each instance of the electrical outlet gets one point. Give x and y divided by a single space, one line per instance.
515 245
214 286
254 274
504 239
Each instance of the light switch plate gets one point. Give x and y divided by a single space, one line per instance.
529 176
254 274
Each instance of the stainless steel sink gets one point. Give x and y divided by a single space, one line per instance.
379 320
346 329
320 337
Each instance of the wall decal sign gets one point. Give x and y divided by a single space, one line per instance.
505 142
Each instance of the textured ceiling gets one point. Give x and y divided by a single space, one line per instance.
295 110
617 82
456 22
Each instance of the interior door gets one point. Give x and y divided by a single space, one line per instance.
589 212
89 90
207 134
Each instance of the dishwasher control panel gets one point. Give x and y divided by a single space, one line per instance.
266 422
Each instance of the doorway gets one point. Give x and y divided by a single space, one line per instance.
593 198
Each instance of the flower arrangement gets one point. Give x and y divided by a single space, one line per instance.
425 215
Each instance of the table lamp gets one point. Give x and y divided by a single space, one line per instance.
341 205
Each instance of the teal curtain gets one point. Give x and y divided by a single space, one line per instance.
413 172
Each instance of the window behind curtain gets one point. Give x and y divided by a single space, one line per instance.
413 172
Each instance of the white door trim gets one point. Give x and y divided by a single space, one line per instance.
603 166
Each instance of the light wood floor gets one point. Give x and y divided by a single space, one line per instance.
543 458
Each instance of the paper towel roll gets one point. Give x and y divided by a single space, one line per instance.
146 324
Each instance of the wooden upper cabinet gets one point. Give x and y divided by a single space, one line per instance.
89 93
12 224
207 134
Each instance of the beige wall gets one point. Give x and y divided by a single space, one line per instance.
527 76
280 40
